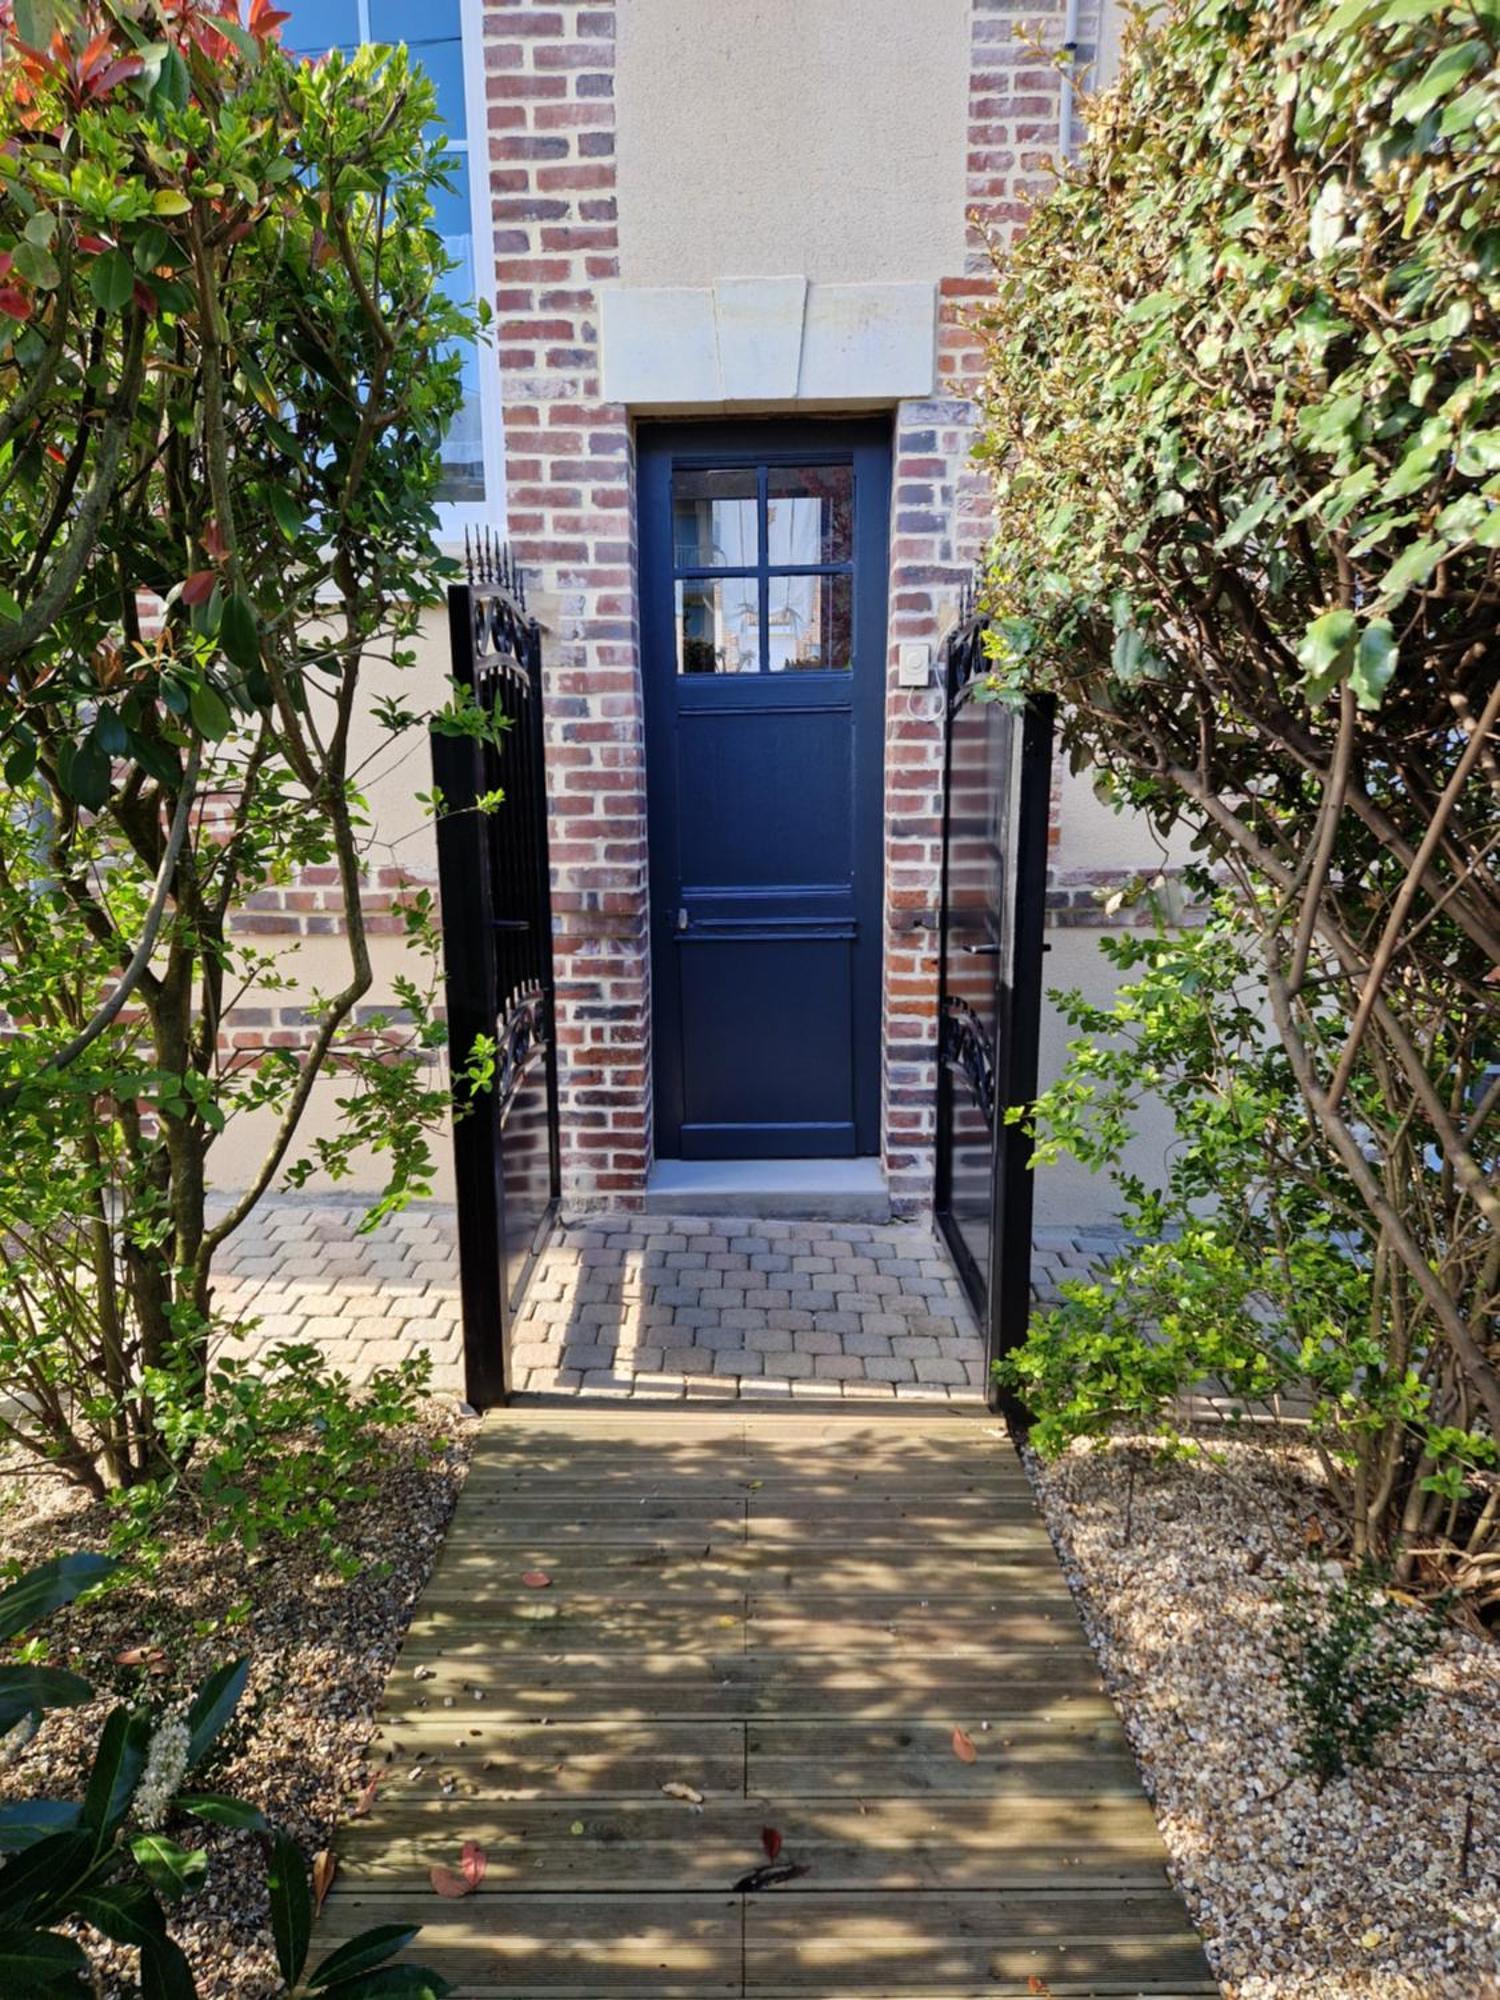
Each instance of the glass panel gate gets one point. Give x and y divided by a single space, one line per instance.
497 955
997 788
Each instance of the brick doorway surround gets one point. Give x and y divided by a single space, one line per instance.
571 519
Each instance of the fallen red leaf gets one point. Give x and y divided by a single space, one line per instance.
1036 1985
963 1747
446 1883
535 1579
474 1863
324 1869
770 1840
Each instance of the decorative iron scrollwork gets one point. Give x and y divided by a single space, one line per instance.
965 1047
521 1036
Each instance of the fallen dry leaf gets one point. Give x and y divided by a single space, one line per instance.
473 1863
365 1800
675 1789
1036 1985
535 1579
963 1747
770 1840
324 1869
150 1657
448 1883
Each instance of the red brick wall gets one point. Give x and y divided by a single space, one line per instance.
571 521
569 475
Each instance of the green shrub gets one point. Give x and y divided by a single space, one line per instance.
1349 1656
1254 1274
1244 421
105 1860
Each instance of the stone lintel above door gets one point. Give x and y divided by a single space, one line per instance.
766 343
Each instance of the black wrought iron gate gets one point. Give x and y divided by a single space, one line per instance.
497 952
997 787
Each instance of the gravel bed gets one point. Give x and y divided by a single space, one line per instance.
1383 1886
321 1649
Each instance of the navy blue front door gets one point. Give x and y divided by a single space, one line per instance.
763 557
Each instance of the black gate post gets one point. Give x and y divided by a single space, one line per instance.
1014 1196
467 895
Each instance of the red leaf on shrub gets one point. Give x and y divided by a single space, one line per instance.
265 19
144 299
95 245
14 302
6 260
963 1747
199 587
770 1840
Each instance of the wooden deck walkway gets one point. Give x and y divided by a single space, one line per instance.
787 1616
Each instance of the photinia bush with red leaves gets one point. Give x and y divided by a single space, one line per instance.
228 356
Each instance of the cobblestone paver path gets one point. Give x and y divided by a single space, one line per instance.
634 1305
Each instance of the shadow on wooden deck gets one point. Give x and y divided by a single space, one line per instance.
788 1614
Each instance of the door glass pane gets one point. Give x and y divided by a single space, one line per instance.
810 513
808 623
718 626
713 518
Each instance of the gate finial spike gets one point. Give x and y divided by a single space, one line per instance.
468 557
521 585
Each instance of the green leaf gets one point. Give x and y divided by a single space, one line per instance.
1250 518
390 1982
1326 651
27 1689
1374 663
84 770
21 762
165 1972
124 1911
1447 69
237 633
215 1703
46 1589
38 20
37 265
288 513
363 1953
118 1764
30 1820
111 279
42 1879
291 1906
210 712
221 1810
169 1868
38 1961
152 247
1411 569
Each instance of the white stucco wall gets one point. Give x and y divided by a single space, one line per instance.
822 138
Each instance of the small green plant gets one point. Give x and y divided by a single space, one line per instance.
280 1449
1349 1655
105 1859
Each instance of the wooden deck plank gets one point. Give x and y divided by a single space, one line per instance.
787 1614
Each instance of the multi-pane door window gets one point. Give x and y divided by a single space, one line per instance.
764 567
434 33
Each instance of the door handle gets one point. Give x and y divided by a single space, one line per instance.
981 950
682 920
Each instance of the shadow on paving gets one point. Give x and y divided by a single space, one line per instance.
846 1629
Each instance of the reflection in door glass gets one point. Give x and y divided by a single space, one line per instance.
808 624
810 513
718 625
713 518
